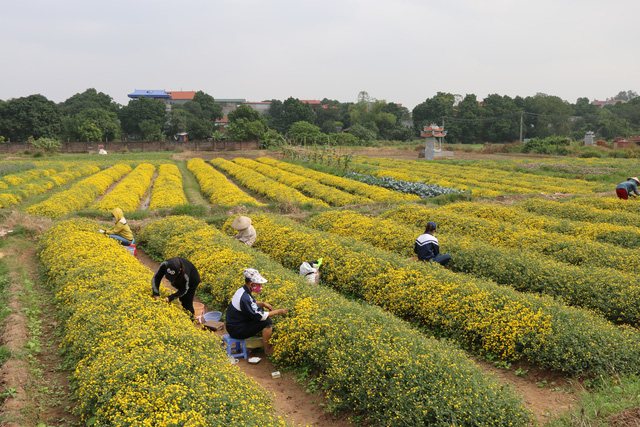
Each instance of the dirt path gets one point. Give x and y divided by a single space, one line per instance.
290 398
38 386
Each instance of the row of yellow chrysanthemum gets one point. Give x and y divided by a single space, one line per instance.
561 247
17 193
81 194
410 176
580 212
372 192
45 169
261 184
365 358
138 362
523 270
479 313
487 178
217 187
168 191
308 186
624 236
128 193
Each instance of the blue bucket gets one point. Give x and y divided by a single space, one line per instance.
212 316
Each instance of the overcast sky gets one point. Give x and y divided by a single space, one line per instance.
402 51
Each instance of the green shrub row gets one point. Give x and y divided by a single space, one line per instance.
478 313
366 360
138 361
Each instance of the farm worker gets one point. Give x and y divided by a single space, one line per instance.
427 247
246 317
310 270
628 188
246 232
184 277
120 230
101 149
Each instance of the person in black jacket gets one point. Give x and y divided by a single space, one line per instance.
427 247
245 316
184 277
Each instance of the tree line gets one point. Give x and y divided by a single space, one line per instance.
94 116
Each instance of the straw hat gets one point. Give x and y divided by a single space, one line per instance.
635 178
241 223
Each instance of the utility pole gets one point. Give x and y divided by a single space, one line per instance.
521 128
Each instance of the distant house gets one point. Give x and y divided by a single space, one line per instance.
229 104
260 107
602 104
154 94
179 97
314 103
168 97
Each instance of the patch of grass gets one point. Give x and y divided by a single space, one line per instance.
197 211
609 398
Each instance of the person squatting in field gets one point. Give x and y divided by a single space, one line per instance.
246 233
427 247
245 316
120 230
628 188
184 277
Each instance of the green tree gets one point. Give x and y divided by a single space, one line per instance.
199 129
33 115
306 133
470 123
552 115
89 99
275 115
89 131
295 111
246 124
49 145
432 110
140 110
502 119
210 110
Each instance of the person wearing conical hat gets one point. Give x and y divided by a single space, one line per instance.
246 232
628 188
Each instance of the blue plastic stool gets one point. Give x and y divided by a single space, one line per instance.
235 344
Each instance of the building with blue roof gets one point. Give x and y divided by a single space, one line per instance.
156 94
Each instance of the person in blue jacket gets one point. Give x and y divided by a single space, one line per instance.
427 247
628 188
245 316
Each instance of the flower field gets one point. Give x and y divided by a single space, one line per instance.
323 331
307 186
129 191
479 313
217 187
138 362
377 194
545 281
485 182
17 187
524 270
80 195
167 189
264 185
